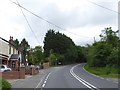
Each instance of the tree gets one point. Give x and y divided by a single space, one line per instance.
48 42
81 54
60 44
35 55
56 41
71 55
30 57
105 52
113 60
16 43
38 53
109 36
24 46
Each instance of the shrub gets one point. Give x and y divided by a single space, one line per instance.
5 85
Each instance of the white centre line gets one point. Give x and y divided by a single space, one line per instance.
43 85
90 86
46 80
39 83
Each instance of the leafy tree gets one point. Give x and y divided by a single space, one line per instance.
59 44
16 43
71 55
24 46
105 52
81 54
109 36
48 42
113 58
30 57
56 41
35 55
38 54
101 52
53 59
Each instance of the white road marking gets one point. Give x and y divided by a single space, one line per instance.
46 80
98 76
91 73
39 83
102 78
43 85
90 86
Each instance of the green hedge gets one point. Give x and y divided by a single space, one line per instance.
5 85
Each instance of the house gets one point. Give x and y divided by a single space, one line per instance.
9 55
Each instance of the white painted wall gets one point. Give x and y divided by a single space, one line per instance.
4 48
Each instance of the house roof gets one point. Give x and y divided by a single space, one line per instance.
14 57
9 43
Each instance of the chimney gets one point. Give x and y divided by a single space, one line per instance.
11 40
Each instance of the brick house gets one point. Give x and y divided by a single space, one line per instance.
9 55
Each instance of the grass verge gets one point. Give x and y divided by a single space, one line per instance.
103 71
4 84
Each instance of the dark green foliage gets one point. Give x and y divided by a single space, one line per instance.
106 52
35 55
24 46
109 36
57 45
16 43
71 55
56 41
60 44
81 52
113 58
5 85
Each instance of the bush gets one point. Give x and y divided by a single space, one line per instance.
5 84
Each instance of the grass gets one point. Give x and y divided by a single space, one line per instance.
103 71
4 84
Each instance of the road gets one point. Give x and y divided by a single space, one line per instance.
70 76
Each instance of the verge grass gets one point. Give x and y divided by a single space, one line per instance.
105 72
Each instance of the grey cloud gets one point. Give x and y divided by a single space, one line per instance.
77 17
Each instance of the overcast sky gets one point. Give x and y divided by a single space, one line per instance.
81 19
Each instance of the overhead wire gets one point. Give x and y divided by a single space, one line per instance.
59 26
49 21
103 7
28 23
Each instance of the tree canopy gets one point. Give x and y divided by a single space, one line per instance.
105 53
35 55
60 46
56 41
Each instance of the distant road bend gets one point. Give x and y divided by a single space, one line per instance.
74 76
69 76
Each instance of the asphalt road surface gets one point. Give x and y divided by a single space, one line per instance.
70 76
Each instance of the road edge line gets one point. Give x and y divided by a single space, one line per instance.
90 73
90 86
98 76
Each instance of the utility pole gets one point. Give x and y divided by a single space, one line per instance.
94 40
119 33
